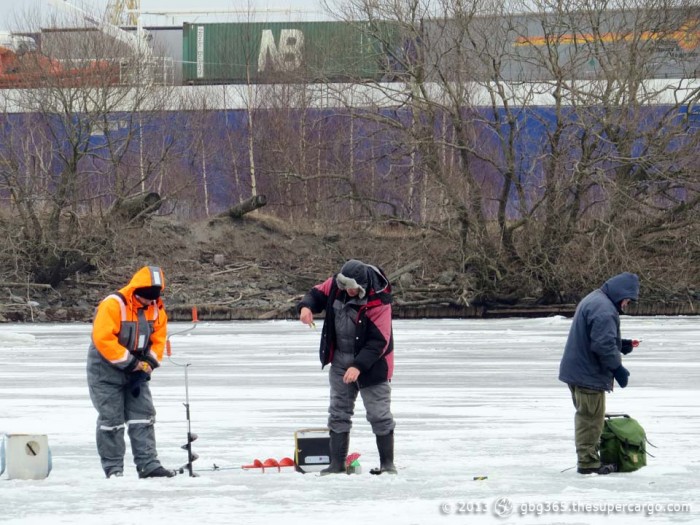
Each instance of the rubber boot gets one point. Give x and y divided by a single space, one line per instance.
385 445
340 442
602 470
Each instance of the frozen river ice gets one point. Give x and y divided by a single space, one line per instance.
472 398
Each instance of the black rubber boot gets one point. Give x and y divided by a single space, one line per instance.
385 445
159 472
340 442
601 471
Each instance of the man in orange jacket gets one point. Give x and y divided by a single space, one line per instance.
128 339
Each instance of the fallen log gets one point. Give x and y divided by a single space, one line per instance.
29 285
404 269
248 205
136 206
429 302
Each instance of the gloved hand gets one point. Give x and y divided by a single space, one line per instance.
136 379
628 345
621 375
143 366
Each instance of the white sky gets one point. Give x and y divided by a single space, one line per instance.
13 12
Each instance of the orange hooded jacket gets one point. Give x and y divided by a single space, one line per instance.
115 330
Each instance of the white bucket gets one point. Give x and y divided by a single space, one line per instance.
25 456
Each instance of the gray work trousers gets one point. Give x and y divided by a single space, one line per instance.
118 409
376 398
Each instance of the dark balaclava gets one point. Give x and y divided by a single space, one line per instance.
148 292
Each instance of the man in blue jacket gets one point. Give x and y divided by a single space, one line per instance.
592 358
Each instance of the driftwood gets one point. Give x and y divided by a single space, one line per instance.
86 283
429 302
232 268
428 289
238 211
29 285
136 206
239 268
404 269
289 308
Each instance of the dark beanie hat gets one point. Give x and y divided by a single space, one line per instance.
148 292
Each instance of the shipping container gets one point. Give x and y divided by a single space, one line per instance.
579 45
259 52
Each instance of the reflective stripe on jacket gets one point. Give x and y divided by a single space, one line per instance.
124 331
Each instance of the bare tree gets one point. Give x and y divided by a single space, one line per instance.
621 144
542 136
77 143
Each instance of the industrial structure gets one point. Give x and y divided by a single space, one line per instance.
533 48
123 12
224 127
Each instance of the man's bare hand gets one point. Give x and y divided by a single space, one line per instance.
351 375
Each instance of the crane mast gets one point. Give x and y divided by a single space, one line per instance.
123 12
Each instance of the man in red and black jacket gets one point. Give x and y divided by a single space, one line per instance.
357 341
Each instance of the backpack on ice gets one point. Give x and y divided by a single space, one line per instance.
623 442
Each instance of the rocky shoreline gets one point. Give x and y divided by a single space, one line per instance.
259 268
34 312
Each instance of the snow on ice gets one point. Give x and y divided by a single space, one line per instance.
472 399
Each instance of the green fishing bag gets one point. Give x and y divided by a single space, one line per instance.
623 442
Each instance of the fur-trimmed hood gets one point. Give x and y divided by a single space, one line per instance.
365 277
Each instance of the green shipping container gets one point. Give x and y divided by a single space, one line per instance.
260 52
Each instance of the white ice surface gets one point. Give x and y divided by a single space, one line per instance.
470 397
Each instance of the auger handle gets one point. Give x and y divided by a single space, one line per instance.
195 320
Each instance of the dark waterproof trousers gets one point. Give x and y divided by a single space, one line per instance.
118 409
